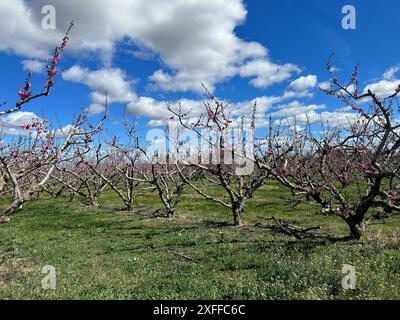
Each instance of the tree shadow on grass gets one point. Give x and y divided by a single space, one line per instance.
210 224
165 236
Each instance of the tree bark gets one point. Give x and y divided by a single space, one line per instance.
10 210
4 220
170 213
129 206
94 202
237 210
357 228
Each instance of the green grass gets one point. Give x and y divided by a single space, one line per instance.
106 253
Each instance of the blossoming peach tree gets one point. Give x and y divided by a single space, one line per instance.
351 169
222 156
78 178
28 162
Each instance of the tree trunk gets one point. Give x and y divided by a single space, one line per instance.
237 210
4 220
94 202
357 228
129 206
72 196
59 192
12 209
170 212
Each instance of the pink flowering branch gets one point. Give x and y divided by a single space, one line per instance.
349 170
25 94
33 159
224 171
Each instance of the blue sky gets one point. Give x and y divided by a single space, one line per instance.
150 52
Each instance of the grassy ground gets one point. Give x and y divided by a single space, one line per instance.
105 253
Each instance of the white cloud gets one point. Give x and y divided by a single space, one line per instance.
157 110
334 69
19 33
263 104
344 109
95 109
333 119
111 80
63 132
295 109
195 40
265 73
119 90
387 86
20 118
183 81
325 85
11 124
14 125
304 83
34 66
391 72
383 88
300 88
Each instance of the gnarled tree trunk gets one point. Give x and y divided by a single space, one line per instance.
357 227
237 210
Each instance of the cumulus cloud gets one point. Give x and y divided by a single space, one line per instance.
95 109
34 66
112 81
158 113
14 123
263 104
387 86
325 85
20 118
183 81
296 108
301 87
19 33
195 40
391 72
383 88
119 89
11 124
333 119
334 69
304 83
157 110
115 82
265 73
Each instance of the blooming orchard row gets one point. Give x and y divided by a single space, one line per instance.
351 171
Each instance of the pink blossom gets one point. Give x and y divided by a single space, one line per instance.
24 95
343 177
25 126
